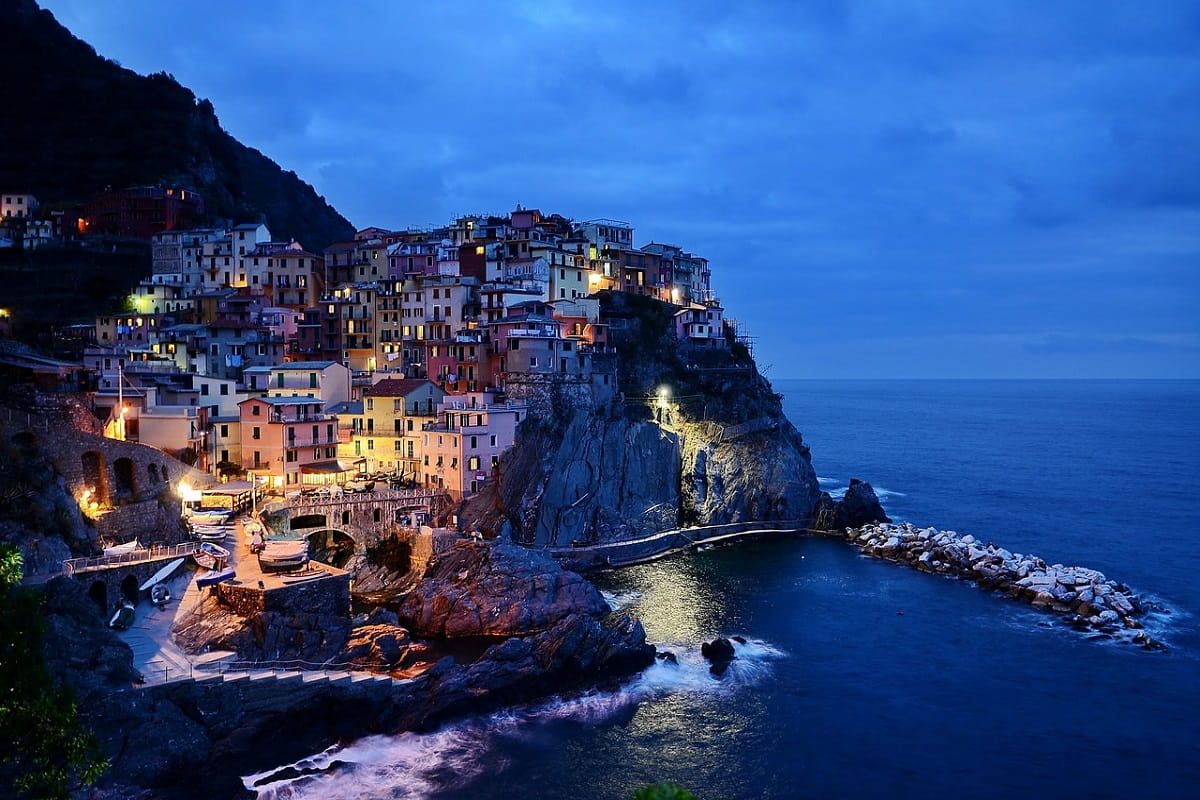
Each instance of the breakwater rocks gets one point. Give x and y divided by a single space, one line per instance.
1092 601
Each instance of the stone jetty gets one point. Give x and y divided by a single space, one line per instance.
1092 602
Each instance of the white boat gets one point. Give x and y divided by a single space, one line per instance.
212 533
121 549
211 556
278 555
162 574
303 575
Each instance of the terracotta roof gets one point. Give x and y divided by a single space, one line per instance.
396 387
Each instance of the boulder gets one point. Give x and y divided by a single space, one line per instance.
719 652
861 505
495 589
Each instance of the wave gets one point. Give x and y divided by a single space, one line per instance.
408 766
828 480
618 600
880 492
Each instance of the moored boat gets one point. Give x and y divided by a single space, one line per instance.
281 555
211 556
213 578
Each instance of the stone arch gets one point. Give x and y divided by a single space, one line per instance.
308 521
26 441
98 592
126 484
129 588
331 546
95 476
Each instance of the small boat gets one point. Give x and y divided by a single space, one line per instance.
123 617
211 556
162 574
303 575
121 549
160 594
213 578
208 517
212 533
281 555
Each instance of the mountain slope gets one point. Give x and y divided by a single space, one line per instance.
74 123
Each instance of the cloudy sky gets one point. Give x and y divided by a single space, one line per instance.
884 188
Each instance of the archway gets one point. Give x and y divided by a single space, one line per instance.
308 521
126 486
98 592
129 588
94 476
152 473
330 546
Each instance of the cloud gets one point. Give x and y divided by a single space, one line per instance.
920 169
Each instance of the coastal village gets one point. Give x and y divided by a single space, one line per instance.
409 356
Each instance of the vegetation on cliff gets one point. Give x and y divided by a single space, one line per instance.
45 752
75 123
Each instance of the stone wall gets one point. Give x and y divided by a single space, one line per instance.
550 396
327 595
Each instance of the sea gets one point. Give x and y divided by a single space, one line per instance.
861 678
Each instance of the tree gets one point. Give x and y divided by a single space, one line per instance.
45 752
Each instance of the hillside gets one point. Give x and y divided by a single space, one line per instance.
75 123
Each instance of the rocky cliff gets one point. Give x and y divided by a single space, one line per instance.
715 447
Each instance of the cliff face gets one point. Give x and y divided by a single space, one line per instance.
622 472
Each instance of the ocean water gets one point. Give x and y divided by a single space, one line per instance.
864 679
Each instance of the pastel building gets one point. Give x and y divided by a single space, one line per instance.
461 448
285 437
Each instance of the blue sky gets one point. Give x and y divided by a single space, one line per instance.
885 189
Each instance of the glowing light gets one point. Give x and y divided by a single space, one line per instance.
675 296
664 396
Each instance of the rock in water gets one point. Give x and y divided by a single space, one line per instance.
494 589
720 653
861 505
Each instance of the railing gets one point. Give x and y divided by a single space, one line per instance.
160 671
74 566
373 496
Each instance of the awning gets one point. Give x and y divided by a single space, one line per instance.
332 467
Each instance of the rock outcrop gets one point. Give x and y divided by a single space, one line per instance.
496 589
860 506
1092 601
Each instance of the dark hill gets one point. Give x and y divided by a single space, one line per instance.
74 123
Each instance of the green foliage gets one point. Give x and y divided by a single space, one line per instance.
230 469
45 752
663 791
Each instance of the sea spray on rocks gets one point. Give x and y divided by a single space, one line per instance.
1094 602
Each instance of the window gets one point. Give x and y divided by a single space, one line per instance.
370 444
224 430
204 389
370 404
312 380
257 433
256 410
292 455
474 441
493 441
533 361
279 380
225 389
473 463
